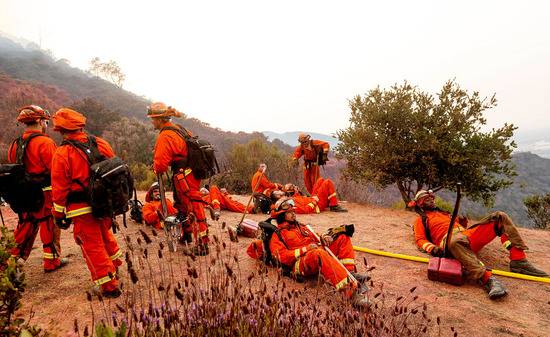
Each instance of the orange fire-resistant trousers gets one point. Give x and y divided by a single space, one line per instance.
222 201
318 260
311 174
27 229
99 248
324 189
191 201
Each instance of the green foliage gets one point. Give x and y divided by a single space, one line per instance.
439 203
132 140
97 116
143 176
12 286
538 210
243 161
405 136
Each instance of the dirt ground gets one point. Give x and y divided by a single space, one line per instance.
55 300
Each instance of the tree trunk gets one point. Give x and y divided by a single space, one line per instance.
404 192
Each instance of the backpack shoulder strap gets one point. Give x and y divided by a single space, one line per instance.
180 130
22 145
89 149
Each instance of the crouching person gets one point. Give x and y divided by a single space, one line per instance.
430 231
70 183
296 249
153 207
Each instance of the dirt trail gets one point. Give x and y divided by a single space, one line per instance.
58 298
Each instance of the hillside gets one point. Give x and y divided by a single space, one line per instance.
292 136
525 312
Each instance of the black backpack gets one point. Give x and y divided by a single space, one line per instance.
267 230
262 203
23 191
136 206
111 183
200 154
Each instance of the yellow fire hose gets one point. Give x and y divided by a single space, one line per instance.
425 260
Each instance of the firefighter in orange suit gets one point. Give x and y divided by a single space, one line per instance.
260 182
171 151
315 152
38 163
324 195
219 199
70 176
297 249
467 242
153 207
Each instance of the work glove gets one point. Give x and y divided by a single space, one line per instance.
61 220
437 252
326 239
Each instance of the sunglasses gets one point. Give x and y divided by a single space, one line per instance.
288 204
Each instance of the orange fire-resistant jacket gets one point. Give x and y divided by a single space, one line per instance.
438 225
263 184
296 239
150 212
305 205
39 153
311 154
70 165
169 147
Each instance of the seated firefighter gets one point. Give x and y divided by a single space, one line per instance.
297 250
430 231
152 209
219 199
324 195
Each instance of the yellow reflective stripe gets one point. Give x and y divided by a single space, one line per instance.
116 255
48 255
506 244
58 208
317 210
342 283
47 188
297 252
427 246
215 201
332 195
201 234
80 211
348 261
297 267
265 191
311 205
104 280
187 172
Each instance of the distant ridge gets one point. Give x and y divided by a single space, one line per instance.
291 138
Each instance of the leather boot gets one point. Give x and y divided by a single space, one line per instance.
525 267
494 288
338 208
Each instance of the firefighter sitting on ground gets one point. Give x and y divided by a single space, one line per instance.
219 199
153 207
70 180
323 196
297 250
467 242
37 158
171 151
261 184
315 153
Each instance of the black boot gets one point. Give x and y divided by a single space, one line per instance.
494 288
525 267
337 208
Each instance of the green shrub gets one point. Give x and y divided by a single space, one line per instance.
538 210
439 203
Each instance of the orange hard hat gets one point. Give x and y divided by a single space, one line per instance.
68 120
302 138
32 114
282 206
159 109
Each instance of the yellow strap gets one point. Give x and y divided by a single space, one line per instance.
215 201
79 211
187 172
297 267
49 256
425 260
506 244
342 283
58 208
47 188
116 255
348 261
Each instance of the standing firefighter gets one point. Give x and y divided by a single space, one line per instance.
315 153
35 150
171 150
261 184
71 201
430 231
